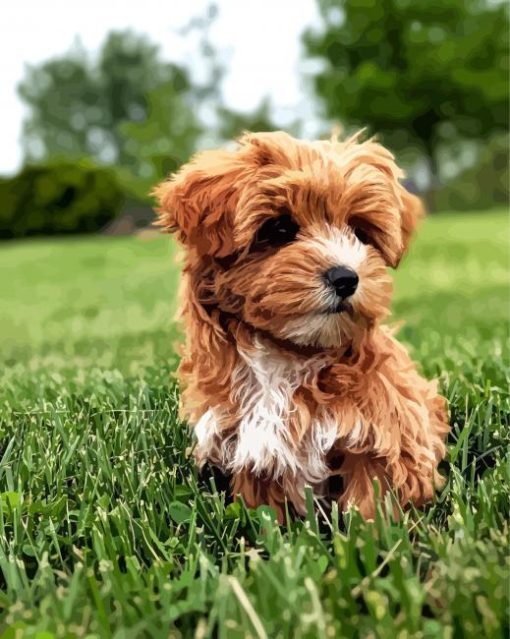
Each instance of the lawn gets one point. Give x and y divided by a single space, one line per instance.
105 530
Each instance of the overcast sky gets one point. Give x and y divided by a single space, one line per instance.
259 37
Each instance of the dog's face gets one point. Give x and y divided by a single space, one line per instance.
293 238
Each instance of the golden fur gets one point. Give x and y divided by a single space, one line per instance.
283 391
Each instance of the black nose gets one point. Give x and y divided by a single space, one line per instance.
344 280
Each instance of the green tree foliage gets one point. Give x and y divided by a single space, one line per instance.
414 70
64 114
58 197
78 106
160 143
130 68
130 109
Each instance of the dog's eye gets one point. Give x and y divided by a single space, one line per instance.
277 231
367 235
362 235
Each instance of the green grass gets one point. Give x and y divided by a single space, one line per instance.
105 530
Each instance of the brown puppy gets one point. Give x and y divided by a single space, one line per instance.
288 376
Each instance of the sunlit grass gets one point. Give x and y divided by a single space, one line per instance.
105 529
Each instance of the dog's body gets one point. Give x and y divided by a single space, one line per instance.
289 379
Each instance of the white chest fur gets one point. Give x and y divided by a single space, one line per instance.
263 385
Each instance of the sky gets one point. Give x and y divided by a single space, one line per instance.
259 39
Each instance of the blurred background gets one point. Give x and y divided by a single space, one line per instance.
100 101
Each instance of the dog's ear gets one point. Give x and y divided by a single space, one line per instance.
411 212
387 196
198 202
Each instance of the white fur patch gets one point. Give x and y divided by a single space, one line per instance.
314 328
343 249
206 430
263 386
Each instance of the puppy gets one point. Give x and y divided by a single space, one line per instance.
288 376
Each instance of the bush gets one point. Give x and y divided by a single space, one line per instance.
58 197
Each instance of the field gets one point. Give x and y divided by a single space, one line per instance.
105 530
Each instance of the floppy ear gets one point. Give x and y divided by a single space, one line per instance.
379 200
411 212
198 202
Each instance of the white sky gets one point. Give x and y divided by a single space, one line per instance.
259 37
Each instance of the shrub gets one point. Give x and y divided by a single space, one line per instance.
58 197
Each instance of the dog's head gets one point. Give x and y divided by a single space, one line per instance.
293 238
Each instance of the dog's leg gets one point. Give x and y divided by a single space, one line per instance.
258 491
408 467
367 481
360 474
401 426
404 461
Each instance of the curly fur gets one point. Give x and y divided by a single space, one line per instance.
283 392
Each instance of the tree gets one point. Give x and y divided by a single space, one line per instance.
129 108
63 112
78 106
130 68
160 143
414 70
